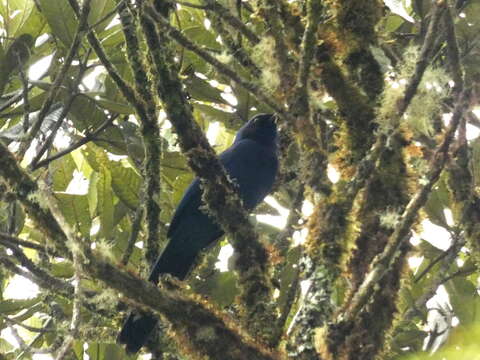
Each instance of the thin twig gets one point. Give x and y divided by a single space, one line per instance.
450 256
29 348
11 266
308 43
29 328
435 261
235 49
63 114
77 304
54 89
461 272
232 20
132 239
222 68
86 139
423 59
14 99
38 272
26 100
453 52
193 6
109 14
8 241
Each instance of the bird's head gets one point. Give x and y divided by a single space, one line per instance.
261 128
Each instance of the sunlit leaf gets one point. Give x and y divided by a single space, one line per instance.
75 210
126 184
61 18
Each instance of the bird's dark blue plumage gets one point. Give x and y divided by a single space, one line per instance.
252 163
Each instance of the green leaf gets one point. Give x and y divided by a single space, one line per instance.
464 300
221 287
17 12
12 306
429 251
393 22
93 194
114 106
105 201
34 24
86 113
101 351
5 346
230 120
202 36
476 161
96 157
126 184
408 335
76 212
98 10
112 140
62 172
289 273
201 90
398 7
63 269
61 18
437 202
78 349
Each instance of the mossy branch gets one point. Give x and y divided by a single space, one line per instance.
231 19
150 132
26 191
219 193
176 35
453 51
189 317
270 12
424 57
234 48
401 231
200 331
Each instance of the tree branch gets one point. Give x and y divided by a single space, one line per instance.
400 234
423 59
270 11
150 132
86 139
53 91
219 193
232 20
164 26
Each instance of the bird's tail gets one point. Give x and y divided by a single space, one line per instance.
139 325
136 330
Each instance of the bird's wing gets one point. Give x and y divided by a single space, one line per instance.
252 167
191 200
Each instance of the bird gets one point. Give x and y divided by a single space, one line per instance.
252 163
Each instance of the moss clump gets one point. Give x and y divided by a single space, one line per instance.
262 55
